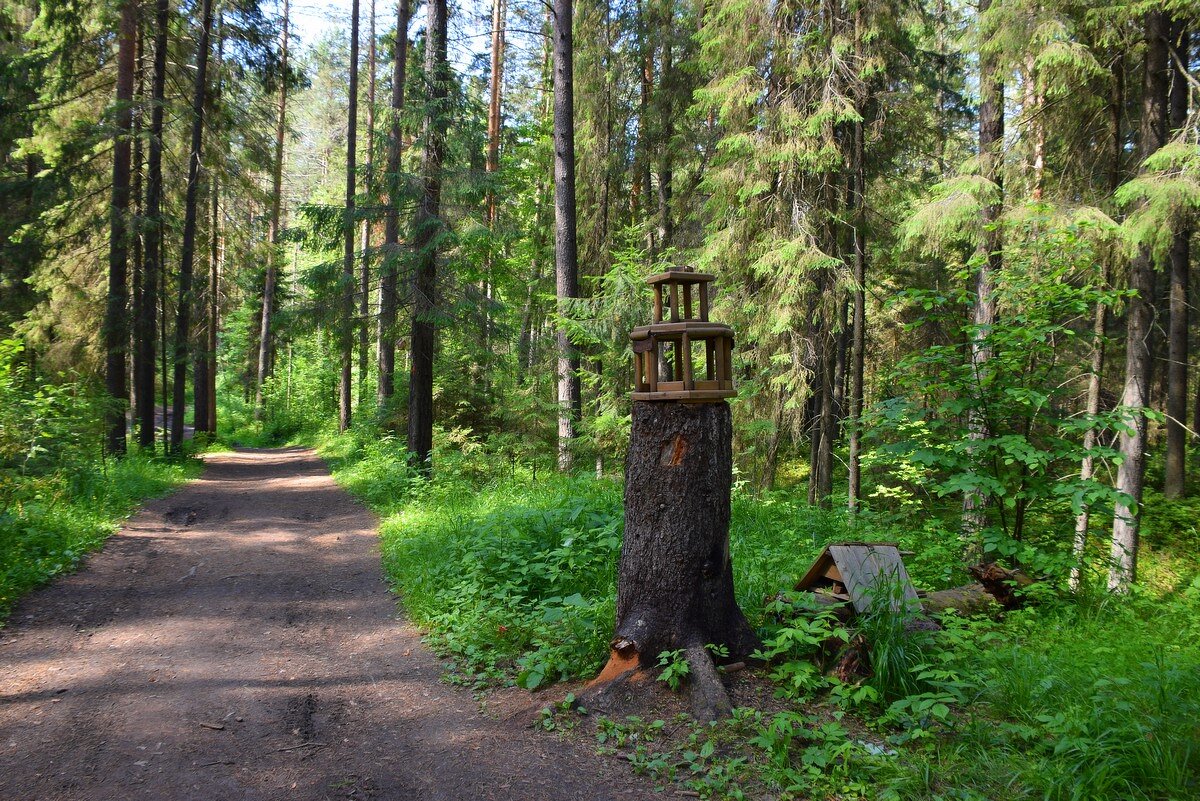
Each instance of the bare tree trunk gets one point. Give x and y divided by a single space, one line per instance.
266 334
858 324
1139 324
133 349
188 248
1177 348
566 259
364 278
1088 468
495 94
423 337
386 346
346 324
116 311
991 142
152 266
214 285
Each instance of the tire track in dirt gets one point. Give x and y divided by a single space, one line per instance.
237 641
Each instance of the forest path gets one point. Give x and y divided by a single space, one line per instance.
237 641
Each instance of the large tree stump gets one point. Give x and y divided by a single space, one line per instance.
675 587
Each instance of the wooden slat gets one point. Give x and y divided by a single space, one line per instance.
687 301
674 302
686 354
868 571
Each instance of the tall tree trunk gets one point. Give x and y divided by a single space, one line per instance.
364 277
346 324
423 337
666 230
566 259
1131 441
145 323
386 347
991 157
492 164
266 335
495 94
188 247
139 211
858 323
1177 336
116 311
214 285
1087 468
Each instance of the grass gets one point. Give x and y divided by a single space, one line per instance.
1091 698
54 520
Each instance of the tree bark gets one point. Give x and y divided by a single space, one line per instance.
1174 479
858 324
991 157
675 584
188 247
1131 441
386 347
145 323
1087 468
214 285
423 336
266 334
346 324
364 278
566 258
116 311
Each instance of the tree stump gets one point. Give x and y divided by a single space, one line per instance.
675 586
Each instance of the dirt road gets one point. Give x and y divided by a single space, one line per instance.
237 641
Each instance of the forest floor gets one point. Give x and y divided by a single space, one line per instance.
237 641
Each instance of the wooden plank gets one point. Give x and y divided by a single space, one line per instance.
703 290
682 277
687 301
710 364
686 354
674 302
658 303
699 395
870 573
651 357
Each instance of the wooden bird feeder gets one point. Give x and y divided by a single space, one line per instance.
867 574
682 356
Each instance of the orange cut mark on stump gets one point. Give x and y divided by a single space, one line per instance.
618 665
674 451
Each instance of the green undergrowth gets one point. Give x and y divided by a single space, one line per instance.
53 520
513 579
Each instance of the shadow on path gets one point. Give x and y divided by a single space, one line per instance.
237 641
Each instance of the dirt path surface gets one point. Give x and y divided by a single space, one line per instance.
237 641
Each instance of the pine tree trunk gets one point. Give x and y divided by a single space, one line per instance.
116 311
566 259
214 284
364 277
145 320
858 324
386 346
139 210
991 143
423 337
266 334
1131 441
1088 467
1177 337
675 582
346 323
188 247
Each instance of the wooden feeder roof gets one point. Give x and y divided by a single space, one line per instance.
680 277
865 573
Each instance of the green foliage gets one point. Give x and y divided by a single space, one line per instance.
1037 357
59 499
